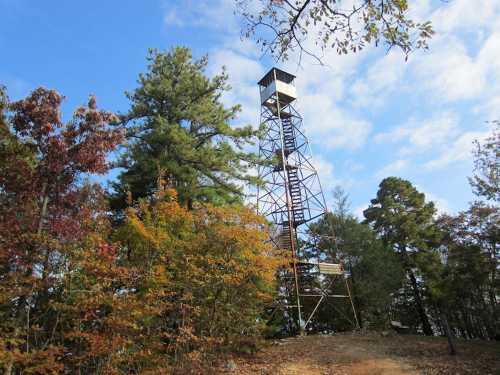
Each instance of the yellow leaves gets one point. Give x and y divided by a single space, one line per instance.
209 270
137 228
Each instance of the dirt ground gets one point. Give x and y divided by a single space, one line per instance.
369 354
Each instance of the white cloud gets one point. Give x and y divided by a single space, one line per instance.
459 150
327 176
358 211
392 169
325 170
457 66
331 126
490 108
465 15
209 14
240 68
441 204
244 72
382 78
440 137
488 59
242 46
353 166
449 72
420 136
420 10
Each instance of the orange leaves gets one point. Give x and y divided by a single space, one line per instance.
208 270
40 362
173 286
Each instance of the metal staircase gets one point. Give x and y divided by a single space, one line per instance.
288 135
292 199
294 189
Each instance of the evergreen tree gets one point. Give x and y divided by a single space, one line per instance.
374 269
402 218
178 125
470 281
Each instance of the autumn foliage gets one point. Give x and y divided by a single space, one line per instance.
204 275
49 217
164 290
170 272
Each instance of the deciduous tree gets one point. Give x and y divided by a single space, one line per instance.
46 217
206 274
283 26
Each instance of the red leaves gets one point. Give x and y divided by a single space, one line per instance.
53 158
64 151
90 140
38 115
171 289
106 251
48 220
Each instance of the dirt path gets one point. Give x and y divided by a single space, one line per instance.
320 355
368 355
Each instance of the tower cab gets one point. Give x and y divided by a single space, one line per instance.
277 86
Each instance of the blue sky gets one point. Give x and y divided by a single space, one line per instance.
368 115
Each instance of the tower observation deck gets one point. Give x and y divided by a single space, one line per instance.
292 199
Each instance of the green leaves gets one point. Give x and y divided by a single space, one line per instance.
376 272
405 222
283 27
401 215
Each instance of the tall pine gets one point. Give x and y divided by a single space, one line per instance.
178 126
404 221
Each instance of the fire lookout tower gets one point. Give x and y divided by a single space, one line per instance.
292 198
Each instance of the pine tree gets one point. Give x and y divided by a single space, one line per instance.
374 269
404 221
177 124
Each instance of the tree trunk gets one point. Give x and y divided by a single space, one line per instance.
461 325
449 334
9 366
426 326
492 291
468 325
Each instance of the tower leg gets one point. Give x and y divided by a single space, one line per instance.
352 303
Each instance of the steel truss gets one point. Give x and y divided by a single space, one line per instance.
292 199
